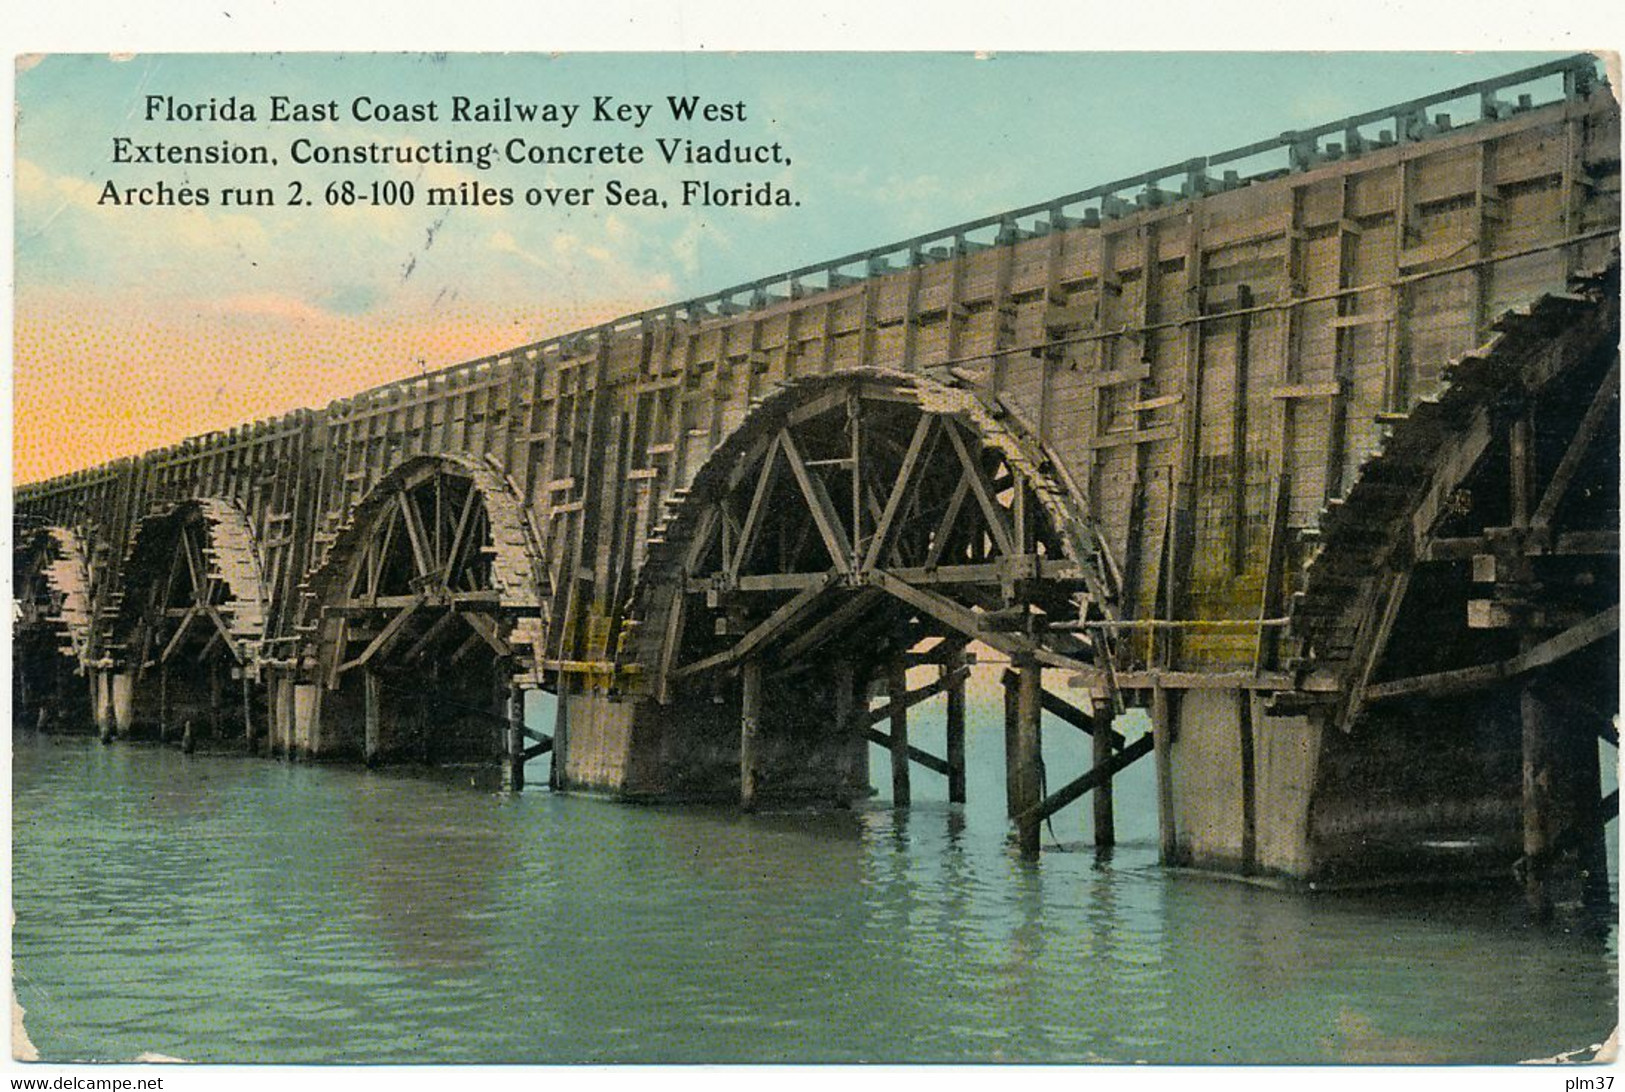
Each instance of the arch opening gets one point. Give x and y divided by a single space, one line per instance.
51 631
426 614
189 625
855 526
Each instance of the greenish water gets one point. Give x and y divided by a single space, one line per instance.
219 908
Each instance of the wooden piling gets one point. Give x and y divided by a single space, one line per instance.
896 694
1537 803
849 734
248 712
163 703
1011 788
216 701
1162 727
1028 756
514 767
1105 824
956 728
374 712
101 689
750 713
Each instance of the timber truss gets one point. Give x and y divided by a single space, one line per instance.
434 566
52 590
193 607
1474 568
861 524
872 510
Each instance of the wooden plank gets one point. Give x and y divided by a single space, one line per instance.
1306 390
914 697
1078 788
923 758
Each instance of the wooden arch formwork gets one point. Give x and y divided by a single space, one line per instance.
1467 590
858 525
51 631
187 622
421 624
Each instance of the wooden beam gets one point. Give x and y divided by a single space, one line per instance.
455 549
1464 680
763 632
1026 757
436 628
1071 714
180 631
924 758
1597 415
750 718
487 631
827 626
758 508
980 487
386 637
225 634
818 502
896 688
950 517
1077 789
900 491
414 532
955 672
1570 641
917 695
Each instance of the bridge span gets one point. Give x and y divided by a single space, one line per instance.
1309 448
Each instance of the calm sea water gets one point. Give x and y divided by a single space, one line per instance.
220 908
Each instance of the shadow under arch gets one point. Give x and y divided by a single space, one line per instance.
52 627
427 608
189 621
856 524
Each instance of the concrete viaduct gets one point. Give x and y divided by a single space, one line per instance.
1310 448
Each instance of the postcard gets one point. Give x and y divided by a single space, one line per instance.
816 558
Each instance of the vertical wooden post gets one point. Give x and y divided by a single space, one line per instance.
956 729
851 745
216 701
374 702
1105 825
750 712
1249 781
163 702
515 765
1162 739
1537 802
1011 788
896 688
561 734
188 738
248 711
1028 755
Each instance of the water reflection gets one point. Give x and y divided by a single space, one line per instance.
216 908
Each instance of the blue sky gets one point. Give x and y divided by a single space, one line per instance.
246 312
